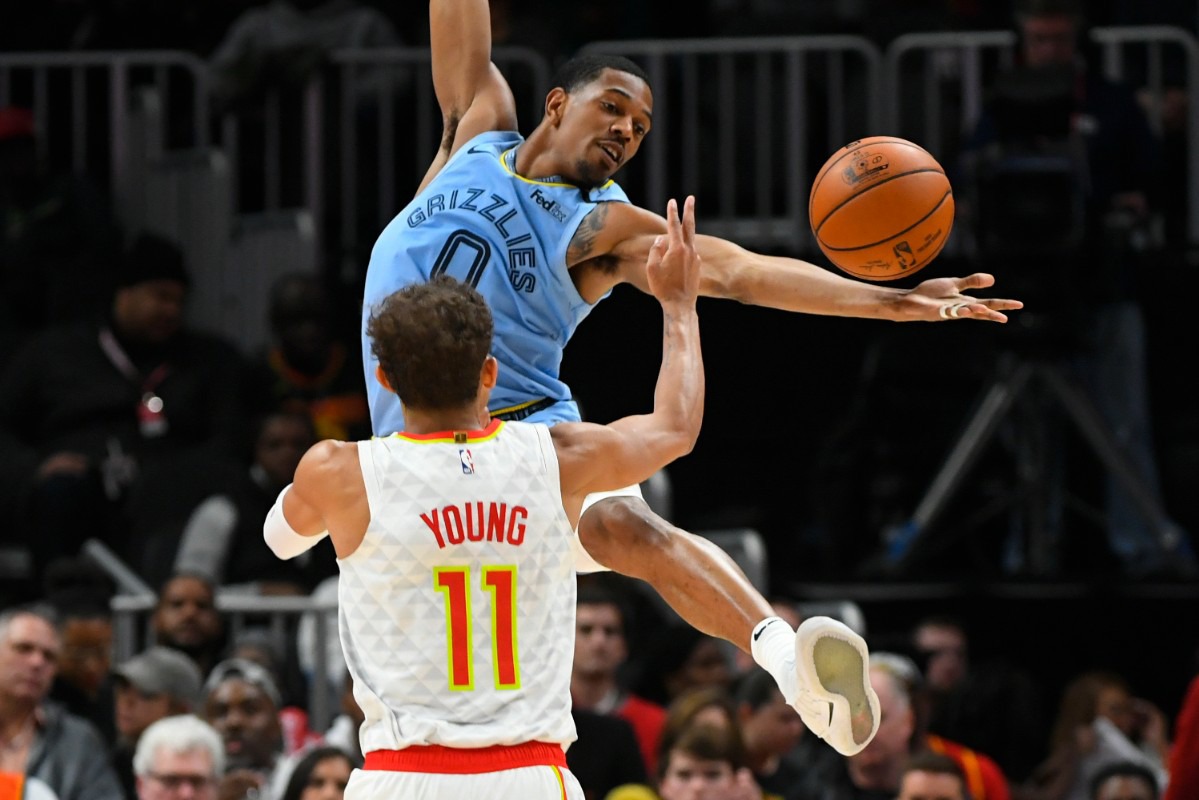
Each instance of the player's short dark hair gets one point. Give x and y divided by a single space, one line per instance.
582 70
431 340
1124 769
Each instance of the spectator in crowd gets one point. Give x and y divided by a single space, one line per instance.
1184 755
158 396
704 763
1124 780
606 754
179 756
343 732
242 703
308 369
942 645
58 237
321 774
261 646
770 730
80 594
223 537
601 649
185 618
154 684
1099 723
932 776
40 739
1083 272
680 658
708 705
877 770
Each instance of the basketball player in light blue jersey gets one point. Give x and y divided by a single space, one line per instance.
538 226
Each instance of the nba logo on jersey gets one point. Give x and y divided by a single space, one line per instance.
468 463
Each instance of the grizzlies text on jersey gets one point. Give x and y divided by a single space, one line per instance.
480 222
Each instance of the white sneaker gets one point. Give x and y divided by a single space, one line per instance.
835 699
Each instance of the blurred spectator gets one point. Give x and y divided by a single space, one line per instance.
186 619
710 706
704 763
154 684
58 238
223 537
941 644
125 401
1080 240
932 776
260 646
80 594
679 658
22 787
343 732
1184 755
242 703
600 650
1124 781
178 756
308 368
322 774
770 729
878 769
606 754
1098 723
40 739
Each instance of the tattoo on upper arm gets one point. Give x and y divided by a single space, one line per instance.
583 242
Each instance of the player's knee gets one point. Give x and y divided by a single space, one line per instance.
622 525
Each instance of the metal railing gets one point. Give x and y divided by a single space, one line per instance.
733 124
935 84
81 103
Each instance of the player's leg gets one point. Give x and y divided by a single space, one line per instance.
824 662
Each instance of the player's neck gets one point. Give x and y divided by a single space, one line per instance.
535 158
419 421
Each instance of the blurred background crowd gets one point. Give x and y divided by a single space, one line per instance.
180 279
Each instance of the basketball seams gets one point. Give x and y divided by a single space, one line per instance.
869 142
852 197
896 235
919 265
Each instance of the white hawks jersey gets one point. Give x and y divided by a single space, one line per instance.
457 610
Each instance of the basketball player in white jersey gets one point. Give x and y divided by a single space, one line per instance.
457 588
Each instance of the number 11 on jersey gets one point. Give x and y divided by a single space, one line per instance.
500 582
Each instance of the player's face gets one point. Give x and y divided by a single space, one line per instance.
920 785
691 778
603 125
599 639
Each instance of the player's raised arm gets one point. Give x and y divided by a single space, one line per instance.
603 457
473 95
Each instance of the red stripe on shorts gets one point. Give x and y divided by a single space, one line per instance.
466 761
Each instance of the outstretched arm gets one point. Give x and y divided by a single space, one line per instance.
595 458
473 95
623 233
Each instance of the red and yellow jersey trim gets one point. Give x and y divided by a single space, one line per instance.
454 437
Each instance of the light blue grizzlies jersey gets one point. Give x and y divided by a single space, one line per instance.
480 222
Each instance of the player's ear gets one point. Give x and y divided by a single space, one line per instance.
555 104
489 373
381 376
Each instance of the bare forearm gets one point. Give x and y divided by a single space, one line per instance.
789 284
679 394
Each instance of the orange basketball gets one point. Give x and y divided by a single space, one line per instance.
881 208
